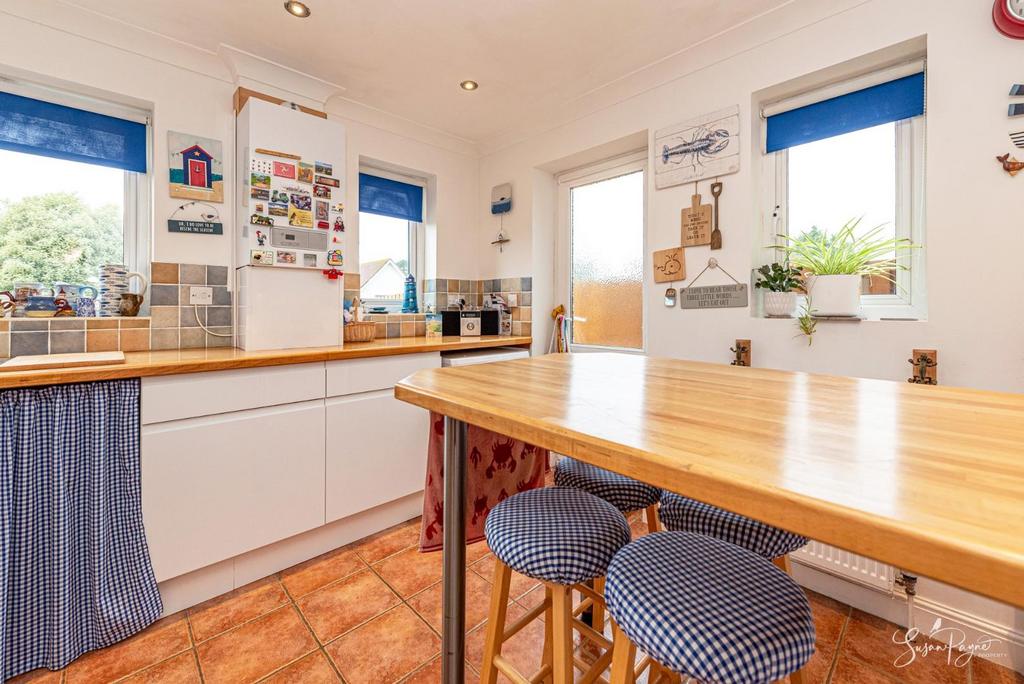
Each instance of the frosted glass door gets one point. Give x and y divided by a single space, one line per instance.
606 223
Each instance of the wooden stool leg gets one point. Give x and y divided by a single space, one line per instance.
561 634
796 677
623 658
598 612
547 654
652 518
495 622
782 563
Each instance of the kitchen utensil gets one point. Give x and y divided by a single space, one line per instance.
696 222
716 234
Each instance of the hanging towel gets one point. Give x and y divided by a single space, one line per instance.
74 566
497 467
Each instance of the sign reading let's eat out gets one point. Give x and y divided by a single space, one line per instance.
714 297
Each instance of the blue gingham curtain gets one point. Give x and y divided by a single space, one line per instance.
74 566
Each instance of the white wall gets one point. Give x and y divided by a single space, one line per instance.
191 90
974 318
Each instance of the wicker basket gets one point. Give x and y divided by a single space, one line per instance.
360 332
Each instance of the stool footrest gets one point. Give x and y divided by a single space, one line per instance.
506 668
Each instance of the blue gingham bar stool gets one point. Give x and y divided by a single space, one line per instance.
563 537
682 514
707 609
624 493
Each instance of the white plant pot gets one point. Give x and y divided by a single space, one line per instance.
779 303
834 295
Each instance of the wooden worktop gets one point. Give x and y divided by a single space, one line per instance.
177 361
929 479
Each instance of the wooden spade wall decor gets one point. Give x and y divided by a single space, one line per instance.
669 265
696 223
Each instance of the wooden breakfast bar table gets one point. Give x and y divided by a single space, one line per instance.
928 479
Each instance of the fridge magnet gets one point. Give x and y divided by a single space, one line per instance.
259 180
696 222
305 173
322 210
259 207
323 225
261 166
322 191
284 170
259 193
339 224
338 207
195 167
309 260
703 147
327 180
261 238
261 256
198 218
279 196
301 201
1010 164
296 188
300 218
276 153
335 258
259 220
284 257
669 265
278 209
325 169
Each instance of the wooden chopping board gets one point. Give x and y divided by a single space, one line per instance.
696 223
23 363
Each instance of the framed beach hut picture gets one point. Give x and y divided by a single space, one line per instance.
196 167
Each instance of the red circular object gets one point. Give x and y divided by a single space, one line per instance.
1007 24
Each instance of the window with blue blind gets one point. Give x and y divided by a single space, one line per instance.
73 188
850 151
387 197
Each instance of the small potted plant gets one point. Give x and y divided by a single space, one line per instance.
836 263
779 282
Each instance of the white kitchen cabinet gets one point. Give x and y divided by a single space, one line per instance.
217 486
376 445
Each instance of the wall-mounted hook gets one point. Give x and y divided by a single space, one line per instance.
925 363
742 352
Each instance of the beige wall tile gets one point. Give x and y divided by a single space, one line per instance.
408 328
67 342
164 316
142 322
164 338
5 325
5 344
101 324
192 338
164 272
135 339
101 340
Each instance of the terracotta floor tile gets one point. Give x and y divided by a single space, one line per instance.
829 618
524 649
869 639
161 640
385 649
180 669
313 669
431 673
410 571
851 671
478 602
519 584
817 669
531 598
389 542
485 566
313 574
475 552
229 610
339 607
993 672
256 648
40 676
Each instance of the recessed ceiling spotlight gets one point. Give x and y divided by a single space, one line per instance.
297 9
469 85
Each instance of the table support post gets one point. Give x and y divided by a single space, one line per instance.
453 632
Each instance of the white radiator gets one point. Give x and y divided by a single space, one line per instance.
847 565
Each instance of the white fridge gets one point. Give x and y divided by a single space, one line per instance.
290 238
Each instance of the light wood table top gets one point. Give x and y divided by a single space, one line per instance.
177 361
929 479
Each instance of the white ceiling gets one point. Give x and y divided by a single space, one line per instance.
407 57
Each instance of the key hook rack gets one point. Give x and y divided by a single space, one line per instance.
925 364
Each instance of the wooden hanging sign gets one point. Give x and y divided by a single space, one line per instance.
714 297
696 223
669 265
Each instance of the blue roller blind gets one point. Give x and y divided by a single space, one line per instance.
53 130
883 103
390 198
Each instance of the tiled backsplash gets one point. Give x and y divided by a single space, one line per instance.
441 292
399 324
27 336
174 319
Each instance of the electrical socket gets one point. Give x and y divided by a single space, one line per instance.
200 295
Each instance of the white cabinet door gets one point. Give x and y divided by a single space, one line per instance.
366 375
218 486
376 451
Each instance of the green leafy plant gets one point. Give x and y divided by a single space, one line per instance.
778 278
844 252
806 322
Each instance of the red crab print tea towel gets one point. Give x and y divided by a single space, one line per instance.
498 467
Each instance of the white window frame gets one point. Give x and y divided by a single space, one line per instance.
417 236
910 301
604 170
137 212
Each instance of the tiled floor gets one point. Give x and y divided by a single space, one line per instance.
370 613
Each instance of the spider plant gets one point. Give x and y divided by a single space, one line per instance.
844 252
806 321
